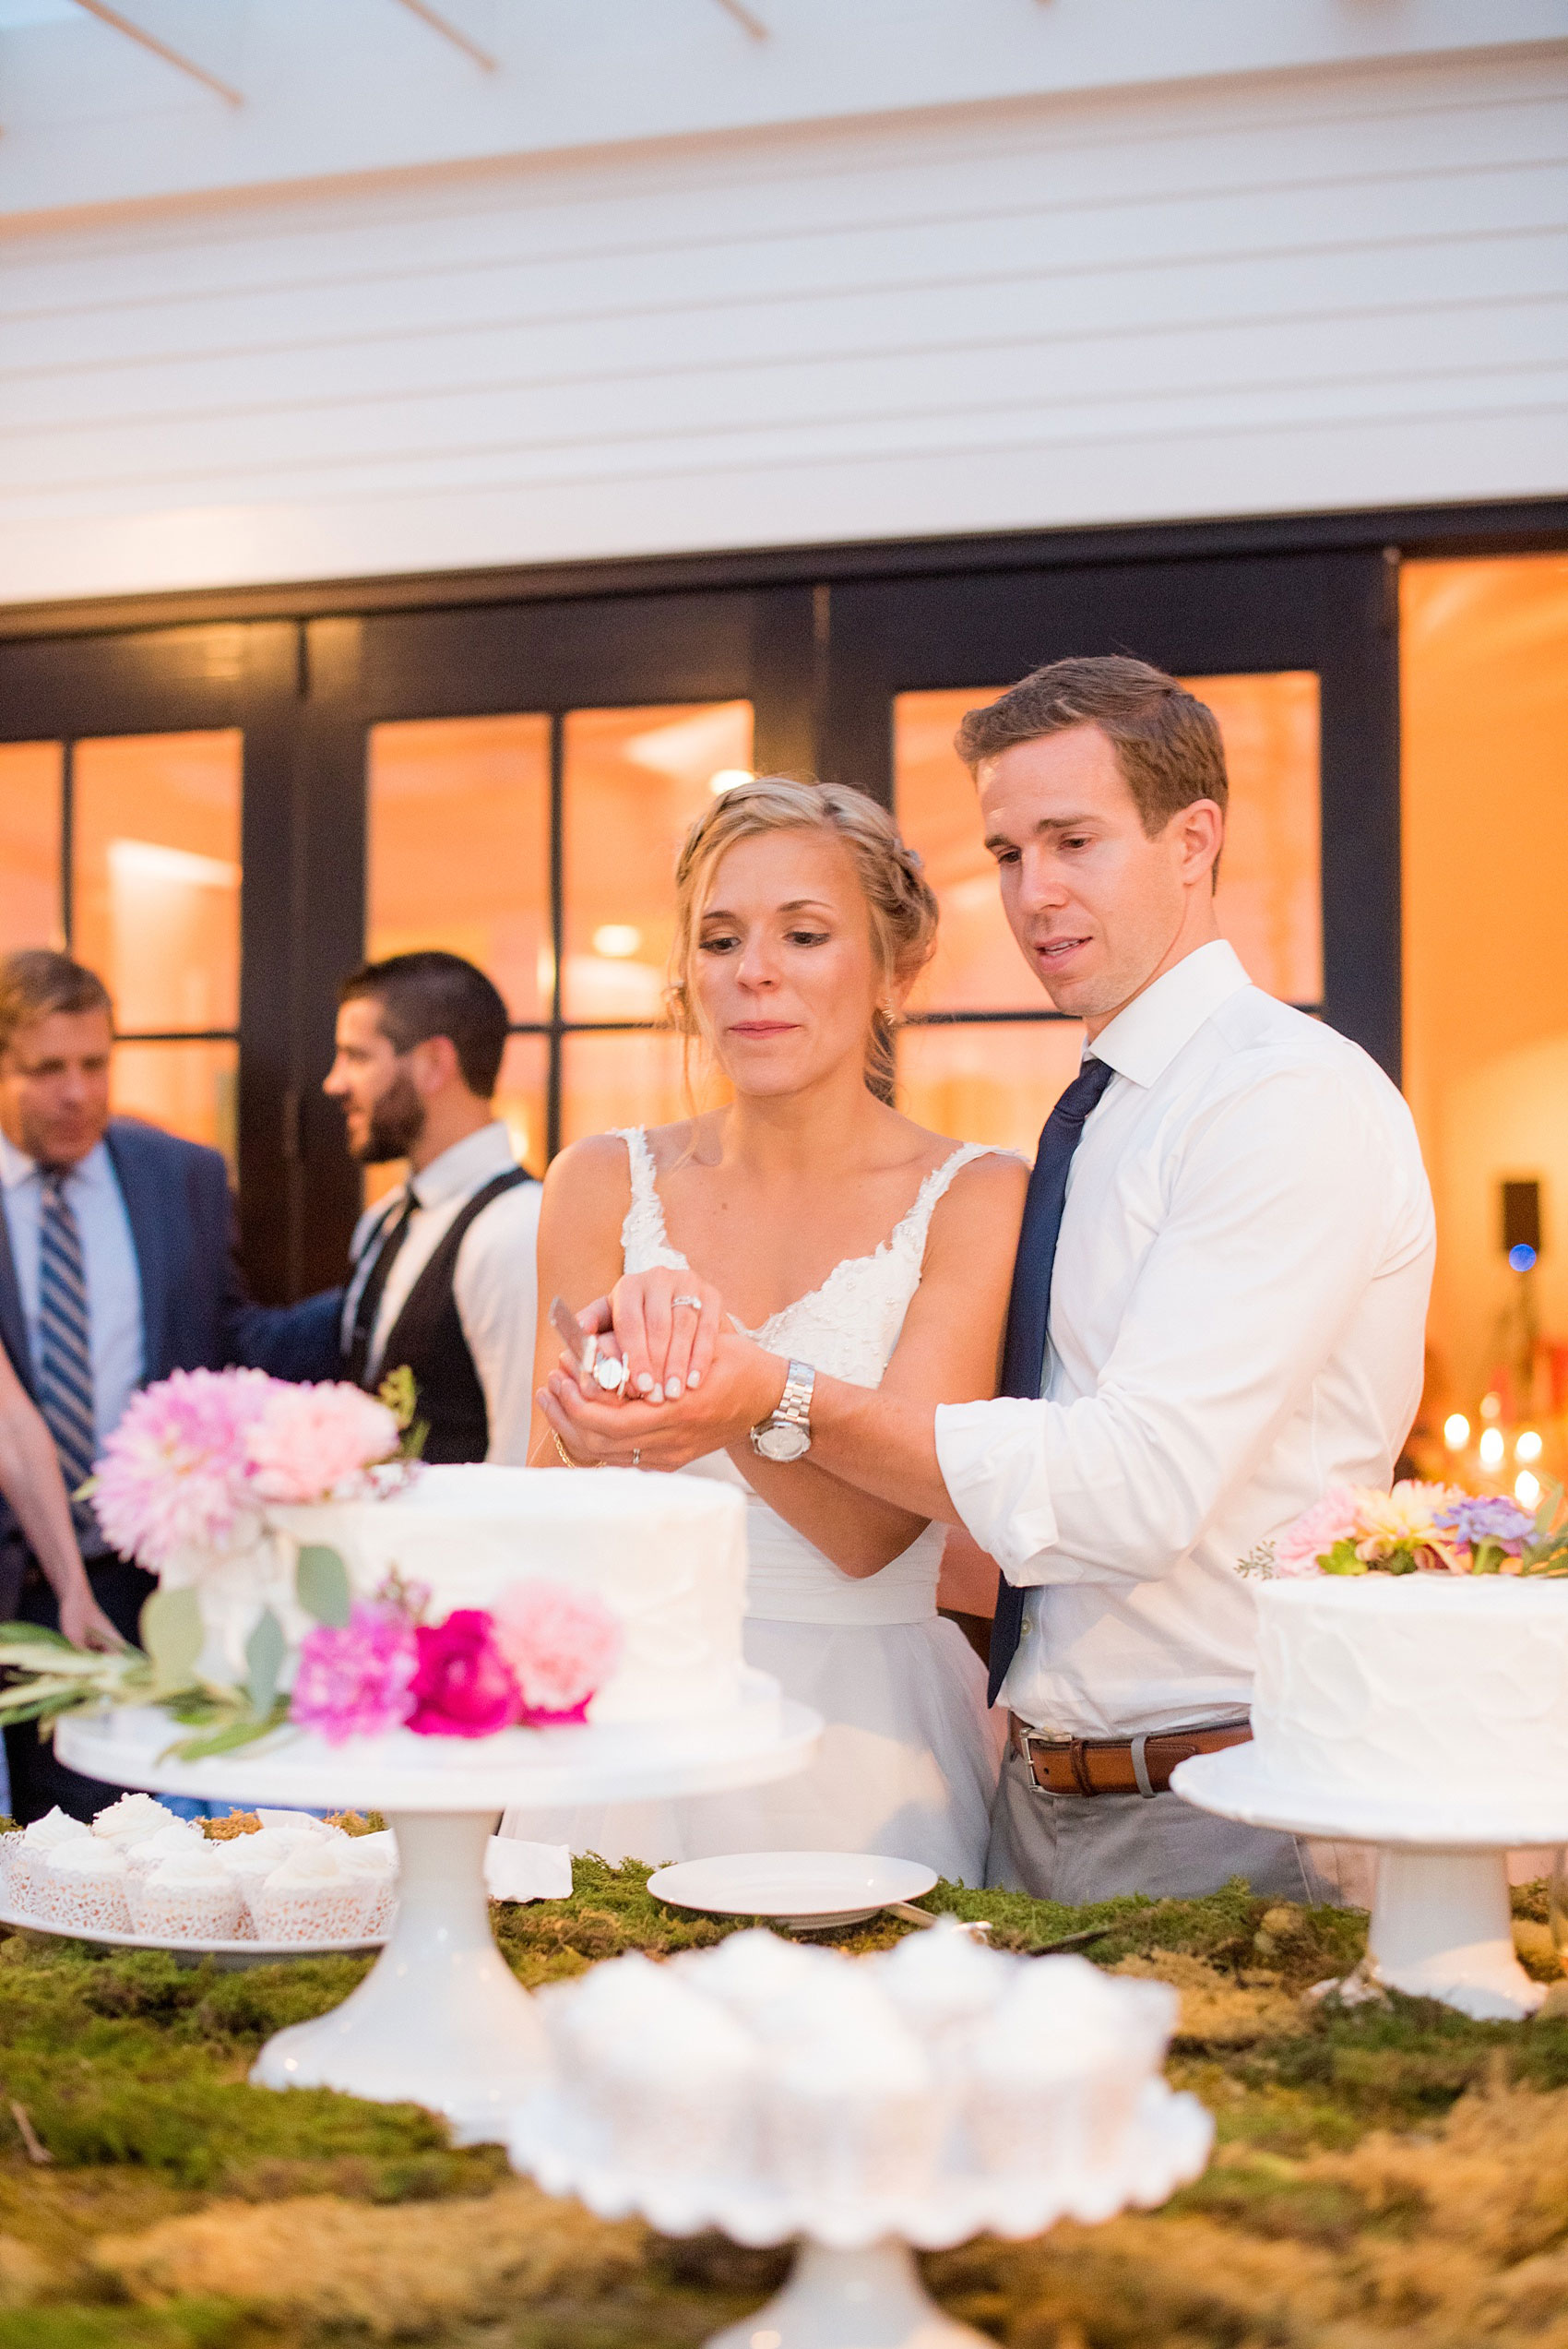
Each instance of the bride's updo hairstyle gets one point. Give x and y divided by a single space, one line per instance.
900 900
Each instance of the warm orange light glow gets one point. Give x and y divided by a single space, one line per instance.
1484 664
31 776
457 852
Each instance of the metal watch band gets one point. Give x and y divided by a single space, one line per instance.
795 1404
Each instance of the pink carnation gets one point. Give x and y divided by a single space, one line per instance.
356 1681
562 1646
1333 1518
175 1474
312 1439
463 1685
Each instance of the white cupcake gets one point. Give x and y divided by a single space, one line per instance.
180 1835
314 1895
943 1981
27 1881
675 2096
130 1821
86 1881
1053 2079
853 2112
251 1859
188 1897
374 1856
764 1982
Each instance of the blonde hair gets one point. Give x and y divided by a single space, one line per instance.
899 900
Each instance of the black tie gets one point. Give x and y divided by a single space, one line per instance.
395 1233
1029 1308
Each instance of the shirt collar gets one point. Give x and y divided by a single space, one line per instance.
17 1167
474 1161
1142 1041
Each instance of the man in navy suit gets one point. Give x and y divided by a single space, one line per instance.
117 1265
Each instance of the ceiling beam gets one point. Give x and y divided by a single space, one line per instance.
452 33
150 41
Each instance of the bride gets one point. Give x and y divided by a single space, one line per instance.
834 1232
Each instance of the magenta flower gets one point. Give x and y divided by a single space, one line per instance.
356 1681
310 1440
463 1685
562 1646
175 1474
1314 1533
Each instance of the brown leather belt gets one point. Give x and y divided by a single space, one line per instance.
1139 1765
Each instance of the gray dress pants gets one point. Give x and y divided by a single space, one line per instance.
1078 1848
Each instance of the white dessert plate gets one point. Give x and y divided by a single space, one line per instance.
251 1952
810 1890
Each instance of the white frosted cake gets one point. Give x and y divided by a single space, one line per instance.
1429 1686
666 1554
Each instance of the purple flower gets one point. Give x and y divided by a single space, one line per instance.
463 1685
357 1681
1490 1520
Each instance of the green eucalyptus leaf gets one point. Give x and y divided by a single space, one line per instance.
321 1581
172 1632
264 1661
228 1740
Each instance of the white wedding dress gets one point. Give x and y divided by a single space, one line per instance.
909 1762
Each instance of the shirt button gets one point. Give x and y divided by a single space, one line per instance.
1028 1625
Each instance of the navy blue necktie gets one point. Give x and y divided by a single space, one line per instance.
1029 1308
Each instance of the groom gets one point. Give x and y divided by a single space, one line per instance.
1217 1313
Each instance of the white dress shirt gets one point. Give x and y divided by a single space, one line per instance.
1237 1317
109 1262
496 1281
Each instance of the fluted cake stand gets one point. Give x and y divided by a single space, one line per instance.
1442 1922
441 2020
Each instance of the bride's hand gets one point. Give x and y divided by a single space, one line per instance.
666 1324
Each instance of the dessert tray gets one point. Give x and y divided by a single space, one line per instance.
1442 1921
779 2091
811 1890
441 2020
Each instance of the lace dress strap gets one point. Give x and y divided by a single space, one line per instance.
911 1237
645 1240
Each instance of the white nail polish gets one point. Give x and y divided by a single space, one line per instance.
694 1378
645 1384
657 1395
672 1388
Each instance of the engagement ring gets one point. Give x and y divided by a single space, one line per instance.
696 1303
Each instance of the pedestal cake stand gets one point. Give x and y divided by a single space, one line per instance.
1441 1924
855 2284
441 2020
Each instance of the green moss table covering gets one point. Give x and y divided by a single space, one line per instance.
1388 2177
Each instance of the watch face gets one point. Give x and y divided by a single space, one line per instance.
782 1442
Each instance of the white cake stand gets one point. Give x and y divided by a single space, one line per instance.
441 2020
1441 1922
854 2285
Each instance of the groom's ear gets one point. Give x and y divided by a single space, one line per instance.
1197 833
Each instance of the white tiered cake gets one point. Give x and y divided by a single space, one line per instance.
666 1555
1435 1688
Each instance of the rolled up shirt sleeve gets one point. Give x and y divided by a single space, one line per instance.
1276 1221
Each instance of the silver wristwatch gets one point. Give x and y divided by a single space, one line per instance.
787 1433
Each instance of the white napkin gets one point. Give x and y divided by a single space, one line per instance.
516 1870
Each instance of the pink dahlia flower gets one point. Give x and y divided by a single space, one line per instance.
175 1474
311 1440
463 1685
356 1681
1314 1533
561 1645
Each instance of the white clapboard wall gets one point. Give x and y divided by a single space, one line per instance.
1321 289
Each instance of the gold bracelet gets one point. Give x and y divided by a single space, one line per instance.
566 1457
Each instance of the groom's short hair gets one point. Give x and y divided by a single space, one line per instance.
1167 742
430 993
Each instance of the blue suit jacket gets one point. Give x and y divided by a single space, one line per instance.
197 1313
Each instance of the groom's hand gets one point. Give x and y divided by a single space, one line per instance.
740 1387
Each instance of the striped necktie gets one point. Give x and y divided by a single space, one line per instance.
65 1343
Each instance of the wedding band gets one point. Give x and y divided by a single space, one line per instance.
636 1456
696 1303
